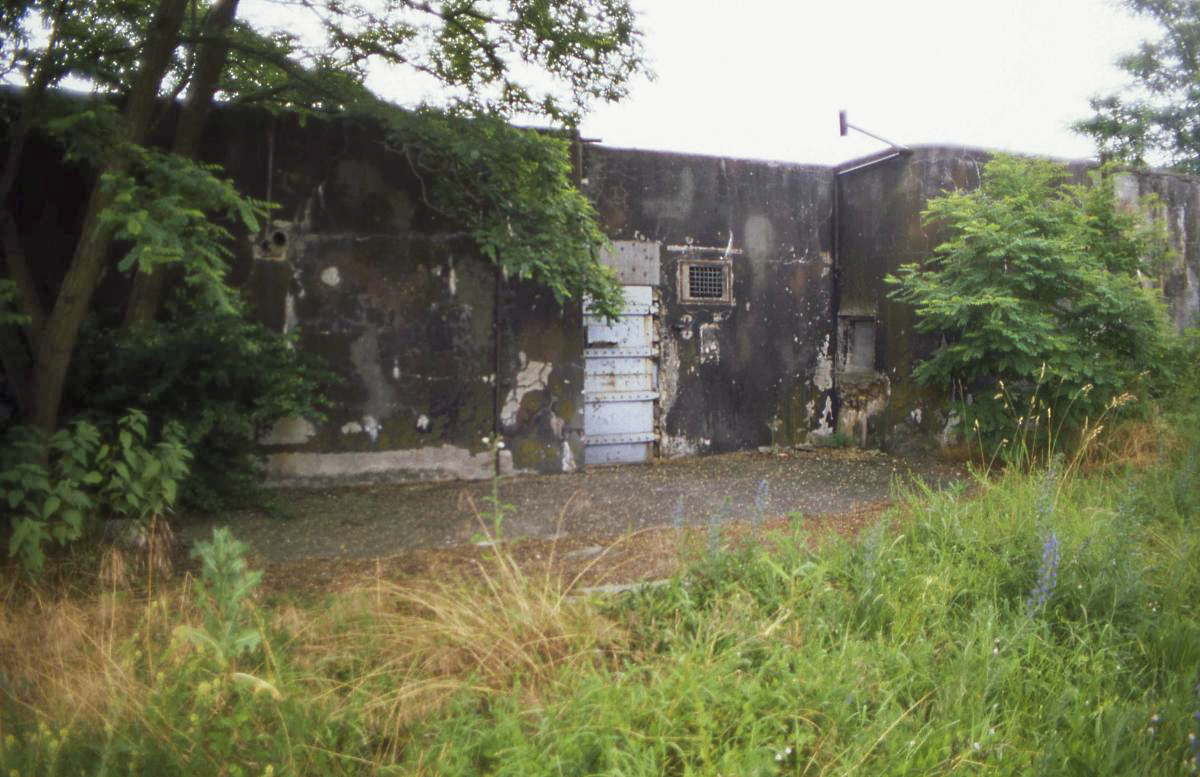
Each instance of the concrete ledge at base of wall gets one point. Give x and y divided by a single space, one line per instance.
444 462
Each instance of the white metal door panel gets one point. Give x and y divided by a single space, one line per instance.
610 414
621 382
627 374
626 330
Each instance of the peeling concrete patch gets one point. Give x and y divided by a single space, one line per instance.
290 321
371 427
823 373
824 420
759 236
710 346
364 355
532 376
862 398
674 447
330 276
951 432
668 376
289 431
445 462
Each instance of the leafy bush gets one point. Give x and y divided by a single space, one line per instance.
1036 294
56 486
223 377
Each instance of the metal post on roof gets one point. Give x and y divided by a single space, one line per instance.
845 126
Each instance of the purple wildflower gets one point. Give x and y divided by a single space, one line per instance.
1047 575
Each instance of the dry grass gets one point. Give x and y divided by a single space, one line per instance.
67 654
1137 444
415 647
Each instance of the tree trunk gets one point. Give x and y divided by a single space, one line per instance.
61 330
16 350
146 294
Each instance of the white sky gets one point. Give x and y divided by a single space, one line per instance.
765 79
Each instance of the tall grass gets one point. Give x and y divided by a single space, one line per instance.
1043 622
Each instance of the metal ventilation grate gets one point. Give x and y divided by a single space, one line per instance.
706 281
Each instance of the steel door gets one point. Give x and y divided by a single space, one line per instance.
621 382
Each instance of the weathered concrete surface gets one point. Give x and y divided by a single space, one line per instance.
438 354
879 229
1178 198
754 370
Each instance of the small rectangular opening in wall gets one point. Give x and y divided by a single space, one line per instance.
857 344
705 281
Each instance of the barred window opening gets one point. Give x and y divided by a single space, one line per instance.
705 281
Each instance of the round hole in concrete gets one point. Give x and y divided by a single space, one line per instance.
279 239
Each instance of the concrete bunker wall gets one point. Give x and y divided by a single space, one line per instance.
436 352
879 229
754 366
439 352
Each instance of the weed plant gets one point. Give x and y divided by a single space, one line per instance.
1043 622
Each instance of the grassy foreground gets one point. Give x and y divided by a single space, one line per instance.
1046 624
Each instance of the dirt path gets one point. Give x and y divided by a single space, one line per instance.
355 525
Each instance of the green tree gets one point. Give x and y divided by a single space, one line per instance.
1036 296
488 57
1158 116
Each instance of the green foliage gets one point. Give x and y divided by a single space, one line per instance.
56 487
164 210
513 189
1036 294
47 486
9 315
1154 119
223 378
834 440
223 592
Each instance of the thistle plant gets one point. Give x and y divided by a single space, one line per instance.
223 591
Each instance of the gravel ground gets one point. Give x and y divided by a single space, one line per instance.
356 524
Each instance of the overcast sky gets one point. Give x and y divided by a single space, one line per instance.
765 78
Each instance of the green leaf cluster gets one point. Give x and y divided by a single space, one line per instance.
224 378
1035 293
1155 119
9 315
513 190
55 487
163 209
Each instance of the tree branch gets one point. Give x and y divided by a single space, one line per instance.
18 271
